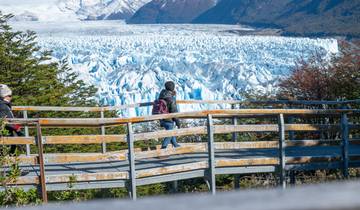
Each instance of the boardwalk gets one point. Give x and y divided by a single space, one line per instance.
343 195
284 153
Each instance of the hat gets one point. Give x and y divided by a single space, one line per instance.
5 91
170 86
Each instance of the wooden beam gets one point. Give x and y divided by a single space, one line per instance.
245 145
17 140
311 143
168 133
312 159
184 149
171 169
84 157
69 178
198 114
145 104
84 139
246 162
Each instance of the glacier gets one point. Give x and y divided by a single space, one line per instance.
130 63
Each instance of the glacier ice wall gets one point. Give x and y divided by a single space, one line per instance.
129 68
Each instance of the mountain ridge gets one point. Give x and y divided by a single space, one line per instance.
295 17
171 11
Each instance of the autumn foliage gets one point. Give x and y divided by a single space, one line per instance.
319 79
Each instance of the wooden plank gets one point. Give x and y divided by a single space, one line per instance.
303 102
310 127
168 133
84 139
172 169
84 157
312 159
69 178
246 145
17 140
184 149
100 176
198 114
311 143
244 128
144 104
246 162
25 159
57 109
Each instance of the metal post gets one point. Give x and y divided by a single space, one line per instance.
175 186
345 144
292 138
131 157
211 151
234 139
41 164
282 177
237 181
25 116
234 122
103 145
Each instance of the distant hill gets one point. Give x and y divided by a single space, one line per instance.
298 17
171 11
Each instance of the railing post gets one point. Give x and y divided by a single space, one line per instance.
41 164
345 144
131 157
211 151
292 138
282 177
234 139
25 116
234 122
103 145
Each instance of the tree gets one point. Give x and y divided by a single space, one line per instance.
319 79
33 77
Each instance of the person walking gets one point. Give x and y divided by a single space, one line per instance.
6 113
164 105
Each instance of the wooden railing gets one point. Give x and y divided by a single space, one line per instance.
212 166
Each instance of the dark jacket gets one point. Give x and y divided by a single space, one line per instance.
5 112
170 99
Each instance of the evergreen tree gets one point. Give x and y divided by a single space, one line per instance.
33 77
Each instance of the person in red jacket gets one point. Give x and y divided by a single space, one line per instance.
6 113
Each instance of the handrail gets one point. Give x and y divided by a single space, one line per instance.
278 162
187 115
146 104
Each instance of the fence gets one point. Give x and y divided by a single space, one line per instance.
133 167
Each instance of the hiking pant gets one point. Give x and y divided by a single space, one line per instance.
168 125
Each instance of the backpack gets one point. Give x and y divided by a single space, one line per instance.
160 107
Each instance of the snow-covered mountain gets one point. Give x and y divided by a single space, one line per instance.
130 63
70 10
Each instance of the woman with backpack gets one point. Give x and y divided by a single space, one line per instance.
164 105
